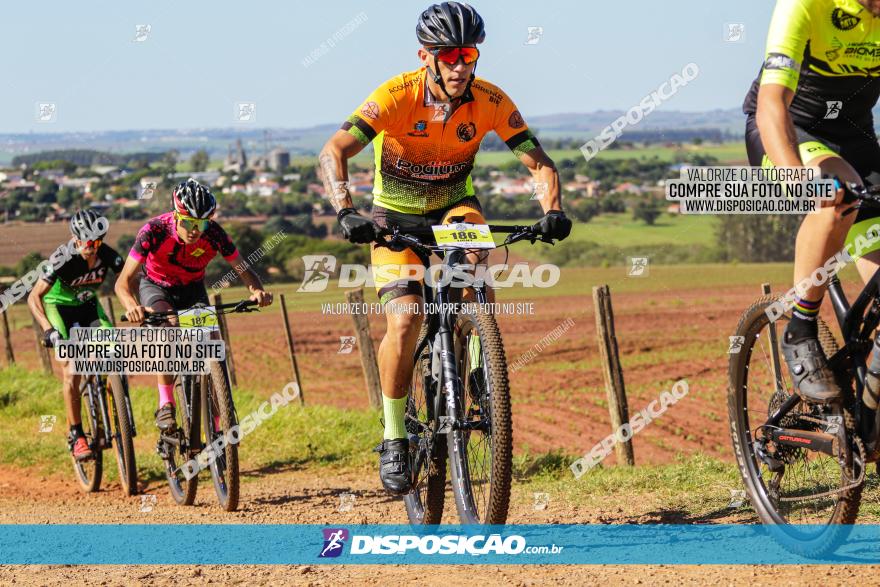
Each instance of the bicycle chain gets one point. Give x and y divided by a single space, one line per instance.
848 425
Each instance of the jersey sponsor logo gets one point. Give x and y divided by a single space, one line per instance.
466 131
94 276
419 129
430 170
494 97
844 20
834 52
780 61
198 252
85 295
403 86
870 50
516 120
370 110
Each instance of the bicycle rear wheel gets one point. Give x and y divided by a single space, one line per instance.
424 505
218 408
183 490
89 471
481 448
807 496
122 434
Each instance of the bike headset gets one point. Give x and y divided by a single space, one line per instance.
450 24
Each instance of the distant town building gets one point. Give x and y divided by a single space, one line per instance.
279 160
236 161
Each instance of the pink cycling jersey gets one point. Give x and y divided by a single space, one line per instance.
169 261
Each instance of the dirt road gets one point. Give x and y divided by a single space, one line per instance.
300 496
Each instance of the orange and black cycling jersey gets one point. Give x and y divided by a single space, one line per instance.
424 153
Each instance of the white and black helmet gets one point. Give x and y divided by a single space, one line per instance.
450 24
191 198
88 225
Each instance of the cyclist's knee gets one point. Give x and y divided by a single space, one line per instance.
404 325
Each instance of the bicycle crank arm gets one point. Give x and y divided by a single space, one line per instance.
170 439
817 441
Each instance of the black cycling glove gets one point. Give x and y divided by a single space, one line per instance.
51 338
356 228
554 225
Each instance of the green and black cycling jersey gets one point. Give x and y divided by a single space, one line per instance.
75 283
828 53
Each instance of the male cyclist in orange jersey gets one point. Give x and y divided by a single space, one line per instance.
811 106
426 127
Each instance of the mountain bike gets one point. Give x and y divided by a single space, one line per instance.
459 400
108 423
204 403
803 465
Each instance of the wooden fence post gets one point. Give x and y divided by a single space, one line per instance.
42 352
291 350
217 300
612 371
365 344
7 340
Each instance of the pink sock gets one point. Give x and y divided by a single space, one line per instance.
166 394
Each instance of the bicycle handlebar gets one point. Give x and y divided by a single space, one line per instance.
856 192
233 307
409 236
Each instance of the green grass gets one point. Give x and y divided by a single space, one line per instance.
694 489
621 230
293 437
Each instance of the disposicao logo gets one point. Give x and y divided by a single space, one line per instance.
334 542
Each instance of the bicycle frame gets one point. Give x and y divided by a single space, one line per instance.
857 329
440 329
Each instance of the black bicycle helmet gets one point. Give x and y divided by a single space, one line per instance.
88 225
191 198
450 24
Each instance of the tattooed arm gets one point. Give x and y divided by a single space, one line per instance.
545 178
333 165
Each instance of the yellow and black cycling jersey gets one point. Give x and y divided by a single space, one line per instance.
424 152
828 53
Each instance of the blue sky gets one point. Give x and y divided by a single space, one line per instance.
200 58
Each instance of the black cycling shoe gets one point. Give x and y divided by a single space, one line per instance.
812 378
165 418
394 466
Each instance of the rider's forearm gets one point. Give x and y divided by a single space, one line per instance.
250 279
334 172
122 289
35 303
777 134
546 180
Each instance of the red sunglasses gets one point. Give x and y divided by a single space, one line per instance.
451 55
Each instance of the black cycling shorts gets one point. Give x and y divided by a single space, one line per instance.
181 297
862 152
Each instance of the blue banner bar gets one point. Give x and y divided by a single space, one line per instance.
399 544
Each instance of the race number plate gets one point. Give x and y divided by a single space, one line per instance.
463 236
198 318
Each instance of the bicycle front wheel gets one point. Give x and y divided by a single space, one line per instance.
183 489
481 444
219 418
122 434
89 471
424 504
